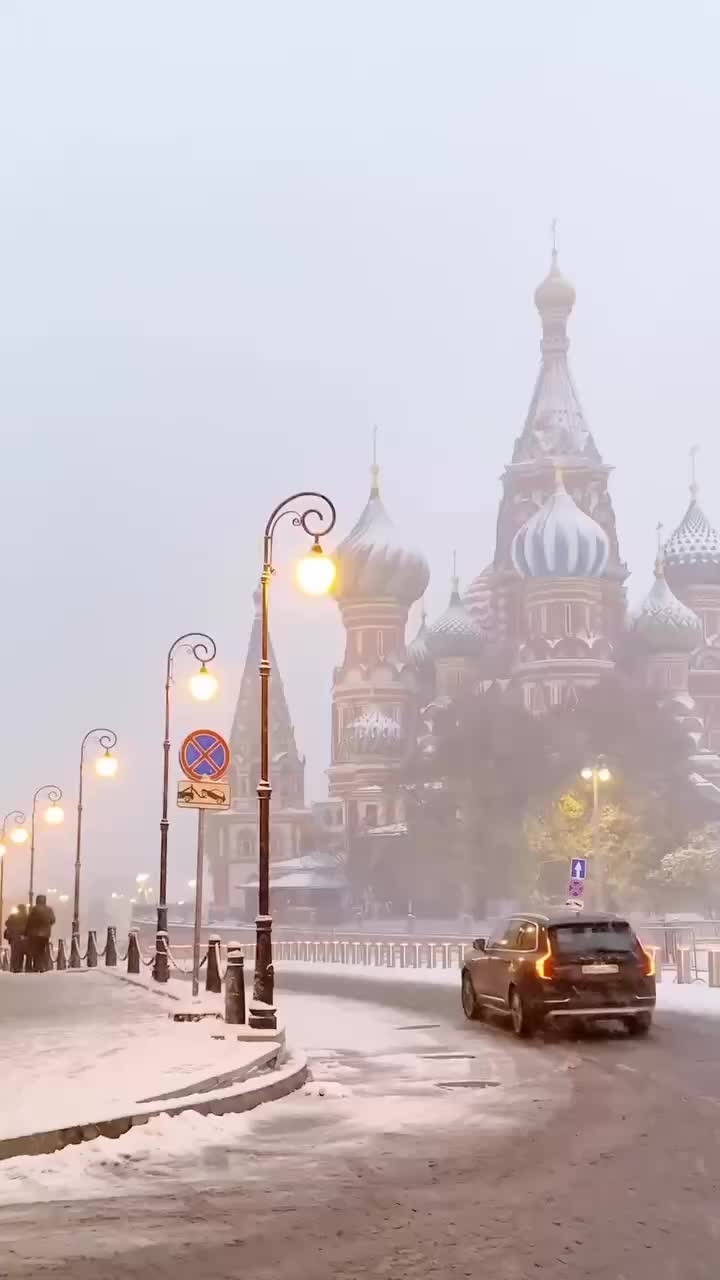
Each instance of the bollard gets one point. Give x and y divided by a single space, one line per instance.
133 952
212 971
235 985
92 956
713 968
110 948
684 964
75 957
61 962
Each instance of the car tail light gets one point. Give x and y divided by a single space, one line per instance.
544 967
647 959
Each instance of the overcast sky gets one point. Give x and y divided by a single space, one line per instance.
235 235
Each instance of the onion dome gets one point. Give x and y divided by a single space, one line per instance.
455 634
560 541
373 733
692 552
373 561
555 292
663 624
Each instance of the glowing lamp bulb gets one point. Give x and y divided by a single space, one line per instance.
315 573
54 815
19 835
604 774
203 685
106 765
2 850
587 774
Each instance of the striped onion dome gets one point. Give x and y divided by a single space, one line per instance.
373 561
373 733
663 624
560 541
455 634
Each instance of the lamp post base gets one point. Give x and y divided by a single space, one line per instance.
262 1008
262 1016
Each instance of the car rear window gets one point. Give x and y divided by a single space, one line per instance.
579 939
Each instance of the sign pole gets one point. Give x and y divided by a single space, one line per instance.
198 901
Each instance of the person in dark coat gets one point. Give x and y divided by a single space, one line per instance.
15 935
38 929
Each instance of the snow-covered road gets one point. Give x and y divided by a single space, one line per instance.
597 1158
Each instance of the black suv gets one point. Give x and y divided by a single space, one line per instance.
561 965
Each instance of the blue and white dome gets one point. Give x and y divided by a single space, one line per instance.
455 634
373 733
373 561
560 541
663 624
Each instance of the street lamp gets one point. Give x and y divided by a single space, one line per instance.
203 685
315 574
107 739
54 815
18 835
597 773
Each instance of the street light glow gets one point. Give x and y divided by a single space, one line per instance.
604 774
203 685
106 765
19 835
587 774
142 877
54 815
315 573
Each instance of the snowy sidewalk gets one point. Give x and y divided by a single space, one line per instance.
77 1048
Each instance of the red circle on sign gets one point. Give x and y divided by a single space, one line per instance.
204 756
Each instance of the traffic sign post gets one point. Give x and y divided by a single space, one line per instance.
578 869
204 756
204 759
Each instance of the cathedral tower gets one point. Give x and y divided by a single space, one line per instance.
374 703
231 837
555 435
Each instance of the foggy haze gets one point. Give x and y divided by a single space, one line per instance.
234 237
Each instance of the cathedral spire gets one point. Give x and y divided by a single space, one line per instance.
555 426
245 733
374 469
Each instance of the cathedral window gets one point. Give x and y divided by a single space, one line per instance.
380 644
543 620
568 620
371 815
359 643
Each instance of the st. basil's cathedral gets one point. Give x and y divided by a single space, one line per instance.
545 619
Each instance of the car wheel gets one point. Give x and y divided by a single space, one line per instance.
522 1021
639 1025
471 1008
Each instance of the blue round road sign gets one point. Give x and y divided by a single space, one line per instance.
204 755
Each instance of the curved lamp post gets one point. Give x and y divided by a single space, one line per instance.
105 767
53 815
18 835
203 686
315 574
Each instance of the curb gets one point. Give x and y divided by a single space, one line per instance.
244 1097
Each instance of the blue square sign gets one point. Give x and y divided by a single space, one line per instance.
578 869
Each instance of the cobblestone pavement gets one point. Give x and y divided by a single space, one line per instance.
596 1158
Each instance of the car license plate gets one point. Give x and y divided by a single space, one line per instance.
601 968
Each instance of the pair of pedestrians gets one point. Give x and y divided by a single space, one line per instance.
28 933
